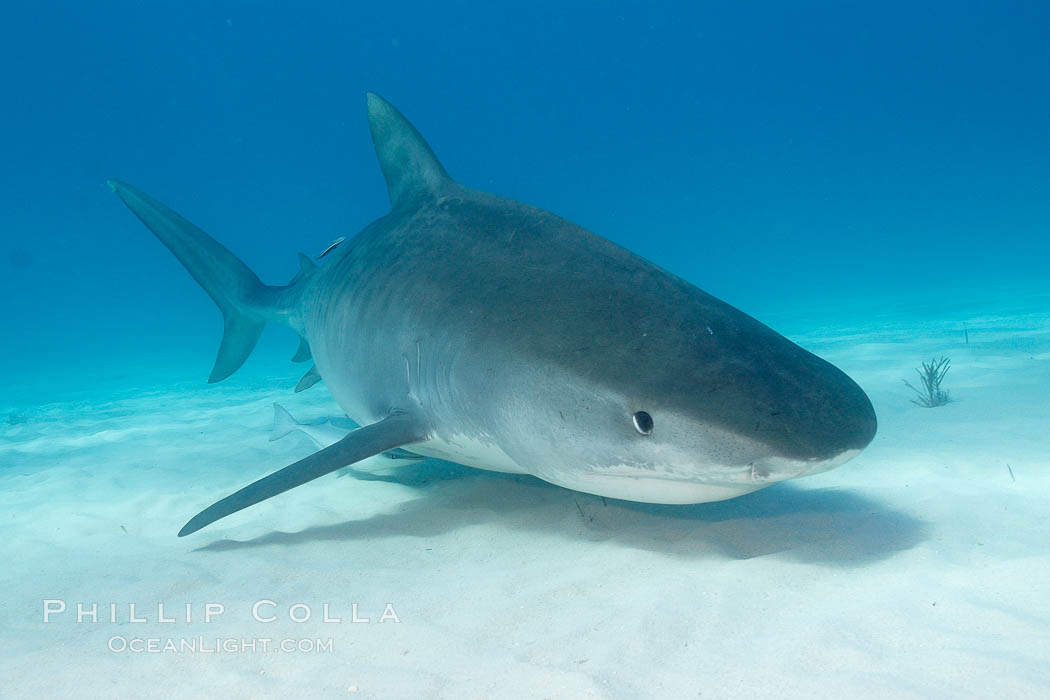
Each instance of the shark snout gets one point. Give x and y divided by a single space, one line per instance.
835 424
850 422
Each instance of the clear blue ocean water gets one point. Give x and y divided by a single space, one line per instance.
777 155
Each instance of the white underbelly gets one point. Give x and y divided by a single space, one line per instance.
652 489
469 451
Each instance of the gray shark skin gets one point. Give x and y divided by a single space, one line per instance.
487 332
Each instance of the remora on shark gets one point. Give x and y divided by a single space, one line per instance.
488 332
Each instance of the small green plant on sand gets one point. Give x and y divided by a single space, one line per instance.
931 375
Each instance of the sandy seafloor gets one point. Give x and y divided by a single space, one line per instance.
920 569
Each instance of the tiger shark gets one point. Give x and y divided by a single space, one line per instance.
481 330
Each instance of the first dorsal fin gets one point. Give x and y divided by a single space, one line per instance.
411 169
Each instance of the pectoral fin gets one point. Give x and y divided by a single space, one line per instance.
395 430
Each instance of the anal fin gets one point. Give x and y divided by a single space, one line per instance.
308 380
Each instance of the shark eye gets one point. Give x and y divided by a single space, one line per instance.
643 423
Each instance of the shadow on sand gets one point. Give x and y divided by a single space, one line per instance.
831 527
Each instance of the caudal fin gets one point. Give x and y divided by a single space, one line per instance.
244 301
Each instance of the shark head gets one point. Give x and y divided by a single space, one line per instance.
717 412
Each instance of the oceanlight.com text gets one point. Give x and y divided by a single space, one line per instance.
217 645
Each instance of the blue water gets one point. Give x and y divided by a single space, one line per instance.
779 155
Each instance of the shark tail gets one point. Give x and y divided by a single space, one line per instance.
245 302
